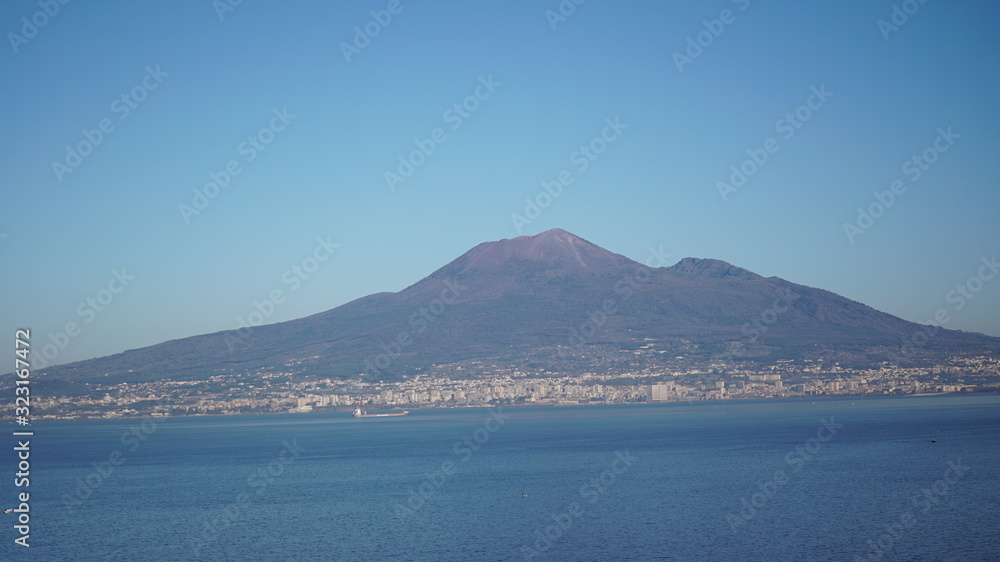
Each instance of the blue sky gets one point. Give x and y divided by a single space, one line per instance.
198 87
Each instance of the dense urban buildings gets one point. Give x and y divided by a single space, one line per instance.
482 385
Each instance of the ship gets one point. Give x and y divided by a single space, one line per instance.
359 414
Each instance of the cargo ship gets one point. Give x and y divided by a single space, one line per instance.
359 414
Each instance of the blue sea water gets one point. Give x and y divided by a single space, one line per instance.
846 479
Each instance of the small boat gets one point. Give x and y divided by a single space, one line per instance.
359 414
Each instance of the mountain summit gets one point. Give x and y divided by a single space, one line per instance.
713 268
552 249
553 302
543 263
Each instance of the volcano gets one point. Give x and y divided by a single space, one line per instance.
553 302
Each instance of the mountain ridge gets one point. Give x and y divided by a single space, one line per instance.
531 300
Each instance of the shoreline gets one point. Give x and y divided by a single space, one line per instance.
412 409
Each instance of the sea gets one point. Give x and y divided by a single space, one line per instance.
877 478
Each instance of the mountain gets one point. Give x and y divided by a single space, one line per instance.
551 301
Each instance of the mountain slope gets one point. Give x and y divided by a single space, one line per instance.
552 299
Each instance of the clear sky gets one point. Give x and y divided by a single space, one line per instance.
310 114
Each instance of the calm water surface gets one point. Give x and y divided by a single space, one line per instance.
876 478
